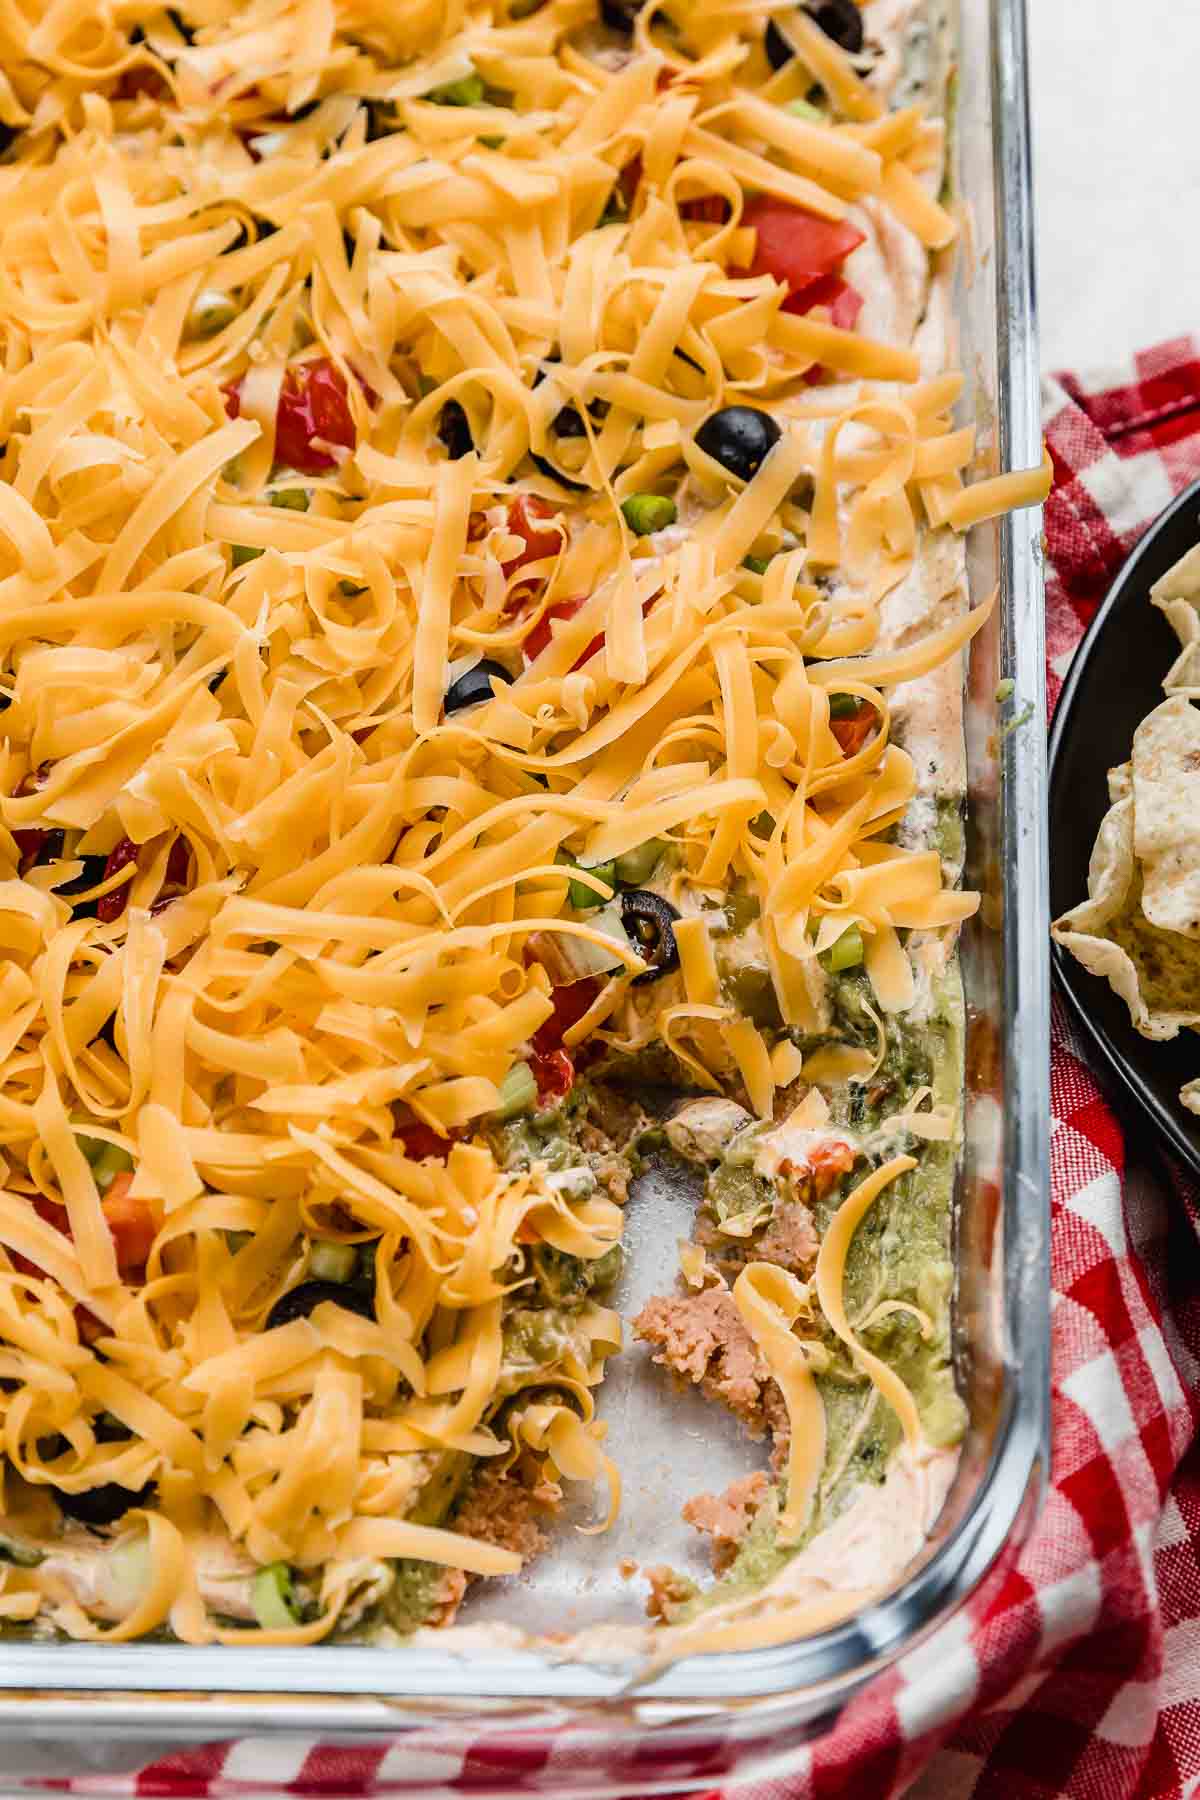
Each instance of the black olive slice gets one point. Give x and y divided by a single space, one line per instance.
300 1301
102 1505
738 437
455 431
91 876
649 921
619 15
568 424
49 850
840 20
475 685
105 1504
548 469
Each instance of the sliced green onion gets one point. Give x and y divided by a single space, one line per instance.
332 1262
1005 689
211 311
22 1556
757 565
242 553
636 866
647 513
273 1598
803 109
518 1092
846 953
469 90
844 706
582 897
107 1160
294 499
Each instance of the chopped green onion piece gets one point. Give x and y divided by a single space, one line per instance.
636 866
803 109
582 896
469 90
757 565
211 311
844 706
1005 689
294 499
332 1262
846 953
647 513
274 1599
242 553
518 1092
107 1160
22 1556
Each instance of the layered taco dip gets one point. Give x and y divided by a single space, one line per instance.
482 606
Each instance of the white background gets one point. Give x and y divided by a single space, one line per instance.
1116 120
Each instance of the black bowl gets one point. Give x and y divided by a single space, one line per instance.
1115 679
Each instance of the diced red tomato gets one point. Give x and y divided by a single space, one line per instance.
853 733
420 1140
829 1162
526 516
111 906
844 302
554 1074
795 246
132 1223
542 632
570 1004
313 411
708 209
132 83
540 636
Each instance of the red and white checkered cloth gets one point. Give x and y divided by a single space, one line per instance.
1075 1671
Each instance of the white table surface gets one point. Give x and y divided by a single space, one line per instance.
1116 119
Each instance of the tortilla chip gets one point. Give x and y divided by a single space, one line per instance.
1156 972
1177 596
1166 815
1139 928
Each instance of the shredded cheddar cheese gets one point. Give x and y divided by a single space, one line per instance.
338 349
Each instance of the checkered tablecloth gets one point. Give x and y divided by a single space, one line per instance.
1075 1671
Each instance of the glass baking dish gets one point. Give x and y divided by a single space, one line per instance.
68 1709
